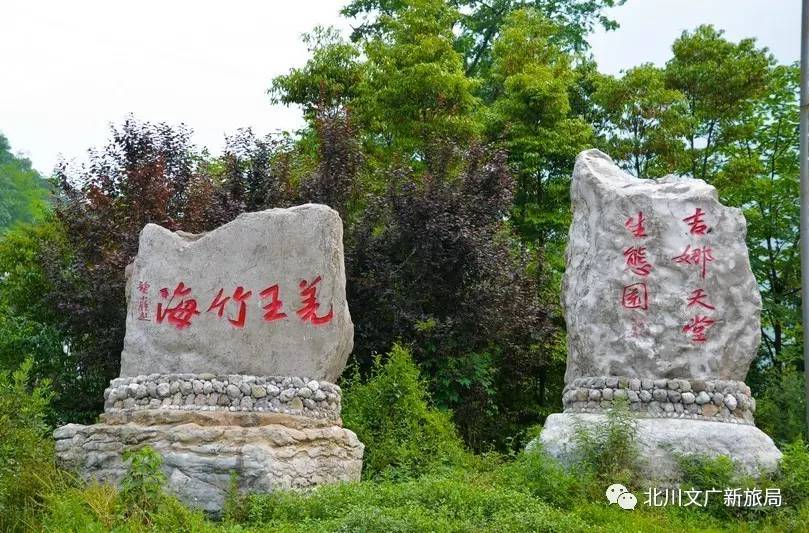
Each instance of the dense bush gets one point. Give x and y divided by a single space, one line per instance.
781 405
532 493
31 324
433 262
404 435
792 479
610 451
26 447
447 503
546 479
794 473
708 472
141 504
142 488
478 333
446 491
529 494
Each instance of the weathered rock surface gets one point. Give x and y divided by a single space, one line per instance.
158 417
645 260
659 439
269 451
261 295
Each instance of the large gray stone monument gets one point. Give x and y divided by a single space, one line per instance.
662 310
234 339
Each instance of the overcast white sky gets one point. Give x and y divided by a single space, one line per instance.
71 68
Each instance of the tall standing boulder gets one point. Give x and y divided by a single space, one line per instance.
663 310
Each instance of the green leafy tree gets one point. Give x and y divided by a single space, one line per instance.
531 114
29 324
482 20
415 92
408 91
720 81
23 192
329 79
761 176
645 121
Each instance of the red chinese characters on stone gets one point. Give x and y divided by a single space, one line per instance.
698 327
696 223
180 309
143 301
700 298
697 256
635 225
635 296
240 296
183 312
272 310
635 258
310 307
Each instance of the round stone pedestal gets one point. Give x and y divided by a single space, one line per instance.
273 432
661 439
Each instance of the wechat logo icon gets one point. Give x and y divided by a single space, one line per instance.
617 493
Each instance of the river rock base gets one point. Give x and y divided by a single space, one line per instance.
661 440
200 449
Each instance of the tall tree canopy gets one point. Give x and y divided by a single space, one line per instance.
720 80
23 192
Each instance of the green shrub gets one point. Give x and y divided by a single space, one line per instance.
446 502
721 472
545 478
793 479
140 505
404 435
234 509
781 406
142 486
705 472
78 508
520 496
26 449
98 508
609 451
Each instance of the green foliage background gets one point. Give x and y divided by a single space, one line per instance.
23 192
445 488
444 132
